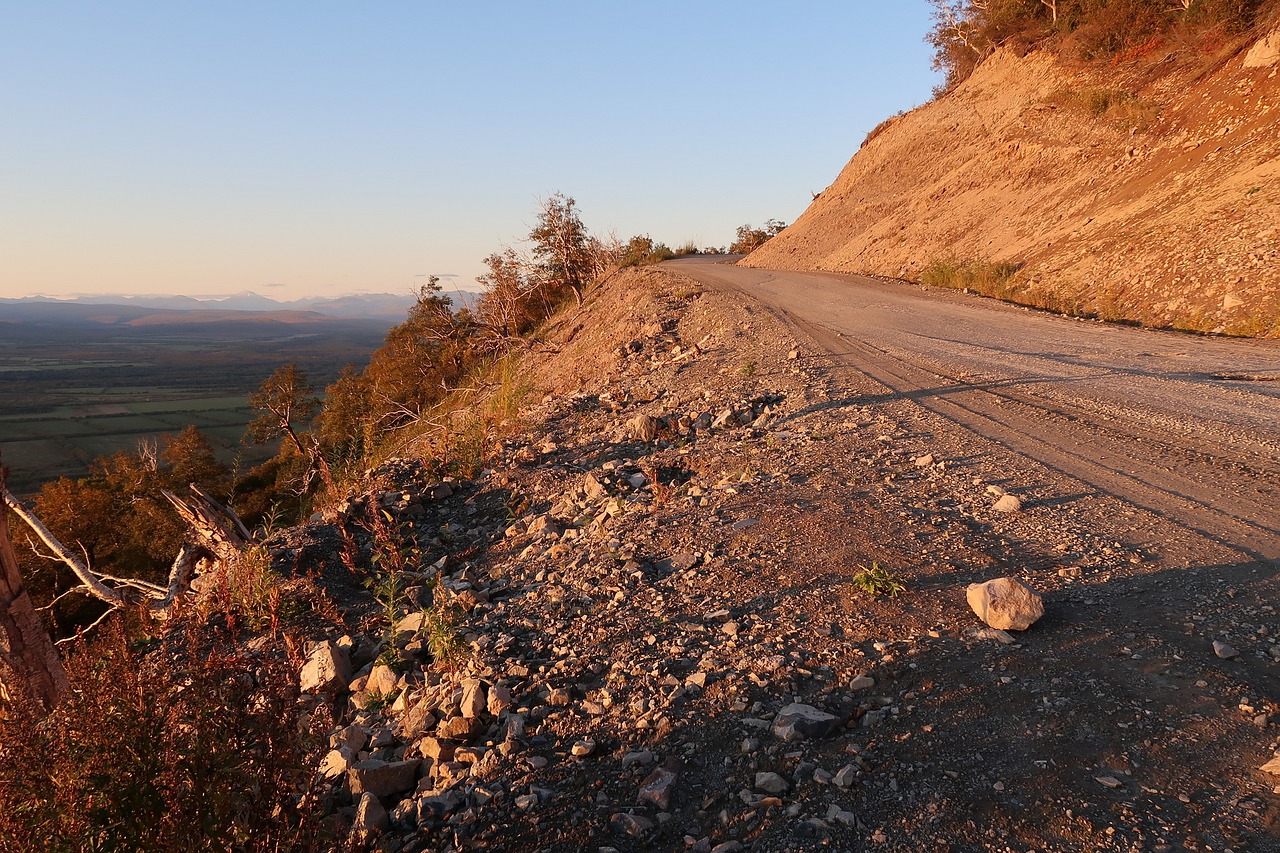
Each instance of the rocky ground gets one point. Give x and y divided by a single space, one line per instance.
667 642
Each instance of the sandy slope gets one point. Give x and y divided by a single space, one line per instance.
1173 222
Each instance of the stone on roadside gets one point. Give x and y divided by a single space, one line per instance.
1225 651
861 682
633 826
371 817
336 762
656 788
1006 604
644 427
1272 767
771 783
474 699
846 776
499 699
327 670
634 759
797 721
382 681
1007 503
382 778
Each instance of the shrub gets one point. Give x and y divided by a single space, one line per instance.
990 278
749 238
966 31
878 580
180 749
1115 106
641 250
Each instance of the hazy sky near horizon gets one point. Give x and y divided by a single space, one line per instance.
324 148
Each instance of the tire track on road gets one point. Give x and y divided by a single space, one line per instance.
1027 426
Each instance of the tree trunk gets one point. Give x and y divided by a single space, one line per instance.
29 663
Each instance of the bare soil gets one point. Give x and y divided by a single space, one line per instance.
1142 190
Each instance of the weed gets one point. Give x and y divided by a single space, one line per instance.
990 278
395 555
444 637
878 580
185 750
748 367
246 591
1116 107
1252 191
513 388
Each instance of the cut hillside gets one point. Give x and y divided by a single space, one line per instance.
1126 190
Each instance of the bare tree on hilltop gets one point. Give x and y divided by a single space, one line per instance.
564 252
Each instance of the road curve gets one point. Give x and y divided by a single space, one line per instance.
1184 426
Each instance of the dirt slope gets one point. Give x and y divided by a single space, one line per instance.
1130 191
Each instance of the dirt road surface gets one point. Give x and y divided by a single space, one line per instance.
1183 426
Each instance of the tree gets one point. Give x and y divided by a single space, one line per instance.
562 247
422 360
749 239
285 398
188 458
345 423
506 308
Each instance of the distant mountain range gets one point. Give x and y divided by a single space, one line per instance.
374 306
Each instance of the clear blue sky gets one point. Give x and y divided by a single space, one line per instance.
319 148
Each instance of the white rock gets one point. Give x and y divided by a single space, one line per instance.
1225 651
1007 503
474 701
328 669
371 817
1006 604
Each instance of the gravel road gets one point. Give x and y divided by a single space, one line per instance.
1184 426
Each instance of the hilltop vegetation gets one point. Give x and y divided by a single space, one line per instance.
967 31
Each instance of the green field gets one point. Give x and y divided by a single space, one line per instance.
61 443
70 392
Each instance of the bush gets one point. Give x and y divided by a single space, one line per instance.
1114 106
878 580
989 278
641 250
180 749
749 239
966 31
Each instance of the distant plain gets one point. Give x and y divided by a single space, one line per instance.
76 383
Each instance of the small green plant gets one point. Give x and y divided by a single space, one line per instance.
395 553
444 637
1252 191
748 367
877 581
